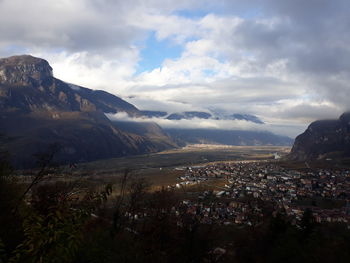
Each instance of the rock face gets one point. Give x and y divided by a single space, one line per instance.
38 110
23 70
27 85
323 139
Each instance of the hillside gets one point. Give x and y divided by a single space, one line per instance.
27 85
323 139
38 110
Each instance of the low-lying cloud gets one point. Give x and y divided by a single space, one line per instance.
197 123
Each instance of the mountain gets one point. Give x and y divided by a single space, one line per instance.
188 115
38 110
153 114
27 85
246 117
323 139
149 130
228 137
220 114
106 102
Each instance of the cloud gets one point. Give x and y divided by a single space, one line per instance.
290 129
286 61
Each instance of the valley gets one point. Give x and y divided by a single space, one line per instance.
164 168
174 131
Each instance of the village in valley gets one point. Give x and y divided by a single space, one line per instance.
249 189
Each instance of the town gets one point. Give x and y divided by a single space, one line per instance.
251 188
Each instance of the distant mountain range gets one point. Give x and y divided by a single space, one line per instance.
38 110
227 137
323 139
187 115
153 114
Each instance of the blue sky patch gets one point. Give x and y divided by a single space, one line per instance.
155 52
209 72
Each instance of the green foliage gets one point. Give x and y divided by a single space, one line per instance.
51 238
102 196
3 256
54 233
50 228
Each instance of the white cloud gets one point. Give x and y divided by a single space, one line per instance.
197 123
94 70
287 61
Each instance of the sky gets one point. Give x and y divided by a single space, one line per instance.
285 61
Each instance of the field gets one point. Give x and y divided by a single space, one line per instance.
163 168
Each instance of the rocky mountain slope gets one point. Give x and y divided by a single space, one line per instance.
148 130
38 110
28 85
323 139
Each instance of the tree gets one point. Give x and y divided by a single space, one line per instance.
308 222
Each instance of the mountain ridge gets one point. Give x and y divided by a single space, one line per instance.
323 139
38 110
188 115
30 86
